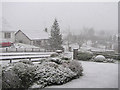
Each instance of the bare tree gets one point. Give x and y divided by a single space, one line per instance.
80 40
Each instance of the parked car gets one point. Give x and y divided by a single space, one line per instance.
5 44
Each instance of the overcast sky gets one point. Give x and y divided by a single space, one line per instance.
37 15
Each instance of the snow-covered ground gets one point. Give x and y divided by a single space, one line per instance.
85 47
95 75
21 45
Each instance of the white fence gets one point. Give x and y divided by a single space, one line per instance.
24 50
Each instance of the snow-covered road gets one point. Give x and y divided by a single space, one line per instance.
96 75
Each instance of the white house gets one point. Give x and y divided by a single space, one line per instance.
39 39
7 33
21 37
7 36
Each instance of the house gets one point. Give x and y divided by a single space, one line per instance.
7 36
21 37
7 33
40 39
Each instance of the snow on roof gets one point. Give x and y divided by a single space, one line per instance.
36 34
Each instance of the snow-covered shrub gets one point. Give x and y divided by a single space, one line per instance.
43 60
54 55
0 77
59 51
25 73
56 60
99 58
52 73
26 62
41 75
76 67
110 60
85 55
65 58
10 79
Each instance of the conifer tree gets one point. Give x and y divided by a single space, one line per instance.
56 37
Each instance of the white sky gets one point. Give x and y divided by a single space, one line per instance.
38 15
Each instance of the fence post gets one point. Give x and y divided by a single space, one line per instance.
6 49
45 50
70 49
32 49
24 49
16 49
75 53
29 59
10 60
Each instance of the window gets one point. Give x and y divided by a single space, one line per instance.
7 35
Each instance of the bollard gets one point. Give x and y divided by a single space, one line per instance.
75 53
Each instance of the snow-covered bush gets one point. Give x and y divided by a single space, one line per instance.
54 55
56 60
9 78
0 77
43 60
65 58
52 73
76 67
110 60
46 73
59 51
26 62
85 55
99 58
25 73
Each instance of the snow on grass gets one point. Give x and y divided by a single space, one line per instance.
95 75
21 45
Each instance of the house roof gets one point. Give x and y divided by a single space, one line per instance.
31 34
37 34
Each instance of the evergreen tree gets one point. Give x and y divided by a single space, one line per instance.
56 37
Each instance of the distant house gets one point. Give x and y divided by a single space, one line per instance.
7 36
7 33
21 37
32 38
